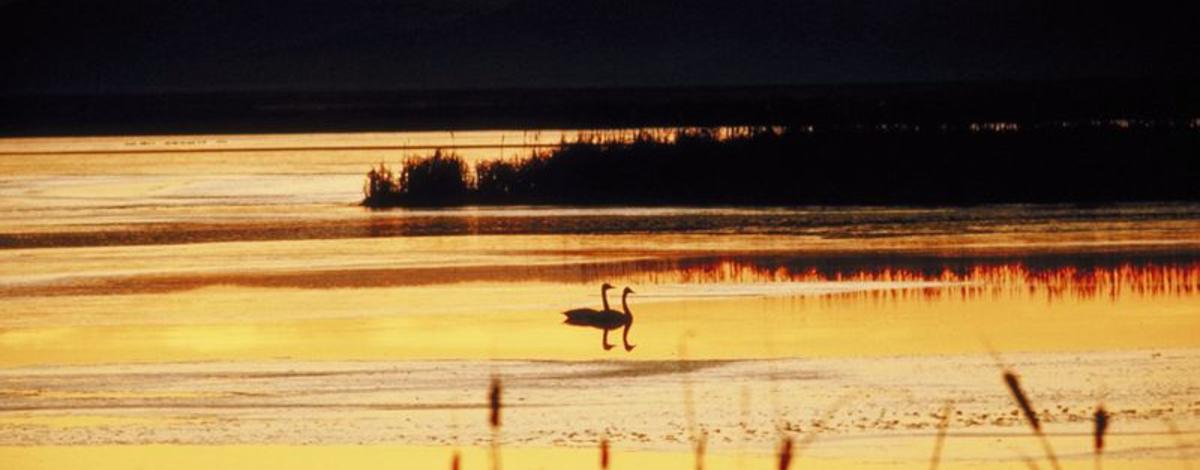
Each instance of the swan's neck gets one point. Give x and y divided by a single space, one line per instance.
625 307
628 322
604 297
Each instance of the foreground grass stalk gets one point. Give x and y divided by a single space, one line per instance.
1014 387
943 424
1180 445
494 420
1101 420
604 454
785 453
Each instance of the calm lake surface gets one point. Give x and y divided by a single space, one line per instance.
199 255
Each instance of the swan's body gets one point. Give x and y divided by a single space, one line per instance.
607 319
603 319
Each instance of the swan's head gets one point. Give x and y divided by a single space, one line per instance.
628 291
607 286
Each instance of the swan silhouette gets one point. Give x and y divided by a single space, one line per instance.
607 319
594 318
628 320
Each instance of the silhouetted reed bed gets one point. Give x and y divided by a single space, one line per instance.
777 165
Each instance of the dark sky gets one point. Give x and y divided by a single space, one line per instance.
139 46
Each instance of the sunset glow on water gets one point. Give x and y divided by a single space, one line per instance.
240 299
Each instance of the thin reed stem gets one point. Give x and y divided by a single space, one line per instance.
1180 446
943 424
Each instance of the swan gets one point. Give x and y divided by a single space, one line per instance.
628 319
603 319
607 319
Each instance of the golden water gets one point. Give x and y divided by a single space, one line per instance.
250 250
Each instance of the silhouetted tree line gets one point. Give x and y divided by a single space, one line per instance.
789 166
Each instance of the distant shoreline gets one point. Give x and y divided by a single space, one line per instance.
274 149
242 112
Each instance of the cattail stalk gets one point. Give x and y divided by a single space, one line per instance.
689 407
1014 387
943 424
494 420
1101 419
785 453
604 454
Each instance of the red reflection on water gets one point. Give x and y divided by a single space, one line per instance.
990 279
